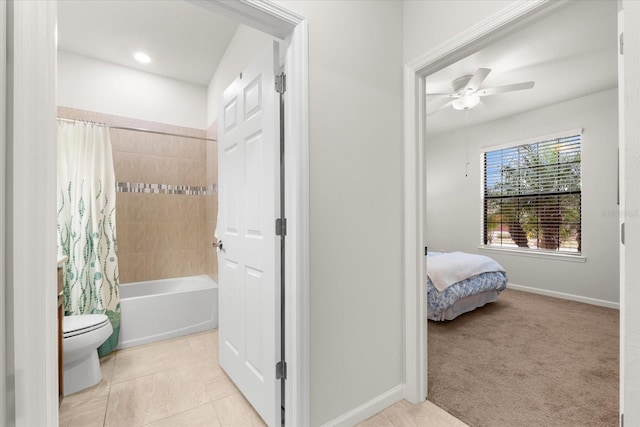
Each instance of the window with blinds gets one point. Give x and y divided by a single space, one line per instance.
532 196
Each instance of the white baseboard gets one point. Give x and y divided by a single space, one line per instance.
368 409
571 297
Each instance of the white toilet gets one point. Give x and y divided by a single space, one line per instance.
82 335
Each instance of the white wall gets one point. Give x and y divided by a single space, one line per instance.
243 48
427 24
356 187
454 203
93 85
355 196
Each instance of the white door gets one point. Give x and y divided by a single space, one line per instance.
249 260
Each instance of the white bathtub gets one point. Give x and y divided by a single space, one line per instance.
168 308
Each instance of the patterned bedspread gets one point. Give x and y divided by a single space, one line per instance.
440 301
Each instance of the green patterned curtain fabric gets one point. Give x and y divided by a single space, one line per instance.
87 223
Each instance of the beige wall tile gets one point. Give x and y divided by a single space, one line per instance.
171 264
167 265
195 209
196 264
125 167
179 208
117 140
212 162
163 207
124 207
193 235
161 235
172 246
126 268
153 169
164 170
189 148
130 207
124 237
141 267
135 142
192 172
211 256
151 237
210 207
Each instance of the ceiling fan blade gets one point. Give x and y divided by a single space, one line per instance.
447 95
477 79
437 107
506 88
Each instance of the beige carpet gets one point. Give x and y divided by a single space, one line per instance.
527 360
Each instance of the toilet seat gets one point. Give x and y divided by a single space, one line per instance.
81 324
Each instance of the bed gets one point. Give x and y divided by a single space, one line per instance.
458 282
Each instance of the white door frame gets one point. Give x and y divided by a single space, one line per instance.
30 207
415 213
279 22
31 249
485 32
630 294
3 136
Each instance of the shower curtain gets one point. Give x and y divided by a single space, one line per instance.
87 223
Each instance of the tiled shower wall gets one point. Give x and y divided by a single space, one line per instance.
212 199
166 200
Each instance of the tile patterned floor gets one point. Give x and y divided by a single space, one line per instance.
405 414
178 382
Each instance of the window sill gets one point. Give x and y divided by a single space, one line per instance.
535 254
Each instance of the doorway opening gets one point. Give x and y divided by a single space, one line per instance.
275 20
461 155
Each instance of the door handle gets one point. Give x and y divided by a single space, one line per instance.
218 245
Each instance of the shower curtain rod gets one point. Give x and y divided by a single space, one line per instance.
157 132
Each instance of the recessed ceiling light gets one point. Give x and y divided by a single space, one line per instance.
142 57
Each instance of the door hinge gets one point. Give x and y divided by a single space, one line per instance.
622 233
622 43
281 370
621 420
281 227
281 83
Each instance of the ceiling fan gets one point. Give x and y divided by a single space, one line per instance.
466 91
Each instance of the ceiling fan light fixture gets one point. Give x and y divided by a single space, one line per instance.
142 57
466 102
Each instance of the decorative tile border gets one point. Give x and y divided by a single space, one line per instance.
187 190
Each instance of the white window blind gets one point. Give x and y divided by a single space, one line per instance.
532 196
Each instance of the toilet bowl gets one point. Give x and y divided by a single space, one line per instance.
82 335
